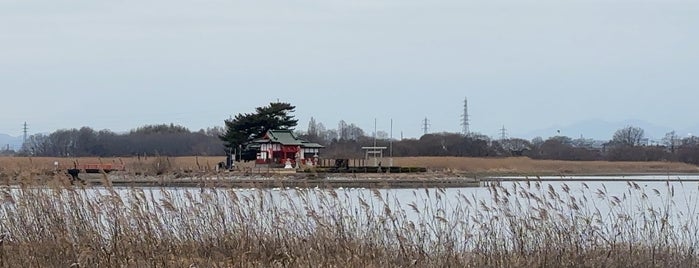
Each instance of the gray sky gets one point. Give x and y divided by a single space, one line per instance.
523 64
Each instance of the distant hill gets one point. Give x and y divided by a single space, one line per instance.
15 143
604 130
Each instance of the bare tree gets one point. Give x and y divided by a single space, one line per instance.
628 136
312 128
537 141
583 143
342 131
215 131
690 141
355 132
516 146
671 140
331 135
322 134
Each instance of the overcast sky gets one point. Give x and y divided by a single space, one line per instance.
523 64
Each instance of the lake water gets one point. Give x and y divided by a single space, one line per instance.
639 203
682 189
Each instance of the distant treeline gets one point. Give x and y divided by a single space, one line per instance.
170 140
346 141
554 148
627 144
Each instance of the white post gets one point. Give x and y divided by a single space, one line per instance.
390 145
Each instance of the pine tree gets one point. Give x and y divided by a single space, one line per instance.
244 128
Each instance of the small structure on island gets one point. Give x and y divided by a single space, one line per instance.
287 164
283 149
374 152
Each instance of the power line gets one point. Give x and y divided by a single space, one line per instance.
426 125
24 130
465 117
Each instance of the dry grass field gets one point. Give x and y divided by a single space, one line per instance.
527 166
132 164
466 165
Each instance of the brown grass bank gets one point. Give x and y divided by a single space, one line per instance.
133 164
527 166
460 165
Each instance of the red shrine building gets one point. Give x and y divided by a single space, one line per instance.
278 147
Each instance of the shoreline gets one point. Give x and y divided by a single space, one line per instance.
363 180
441 172
302 183
430 179
298 180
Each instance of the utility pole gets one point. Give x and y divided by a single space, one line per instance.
390 145
24 130
503 133
374 132
390 139
426 125
376 159
465 117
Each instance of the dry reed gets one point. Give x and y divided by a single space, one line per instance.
521 225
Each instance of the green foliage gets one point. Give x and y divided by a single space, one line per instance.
244 128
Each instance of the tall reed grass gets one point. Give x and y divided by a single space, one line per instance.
519 225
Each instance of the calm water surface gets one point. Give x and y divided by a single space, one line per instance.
630 193
611 205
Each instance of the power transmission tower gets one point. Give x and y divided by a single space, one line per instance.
426 125
465 117
24 130
503 133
